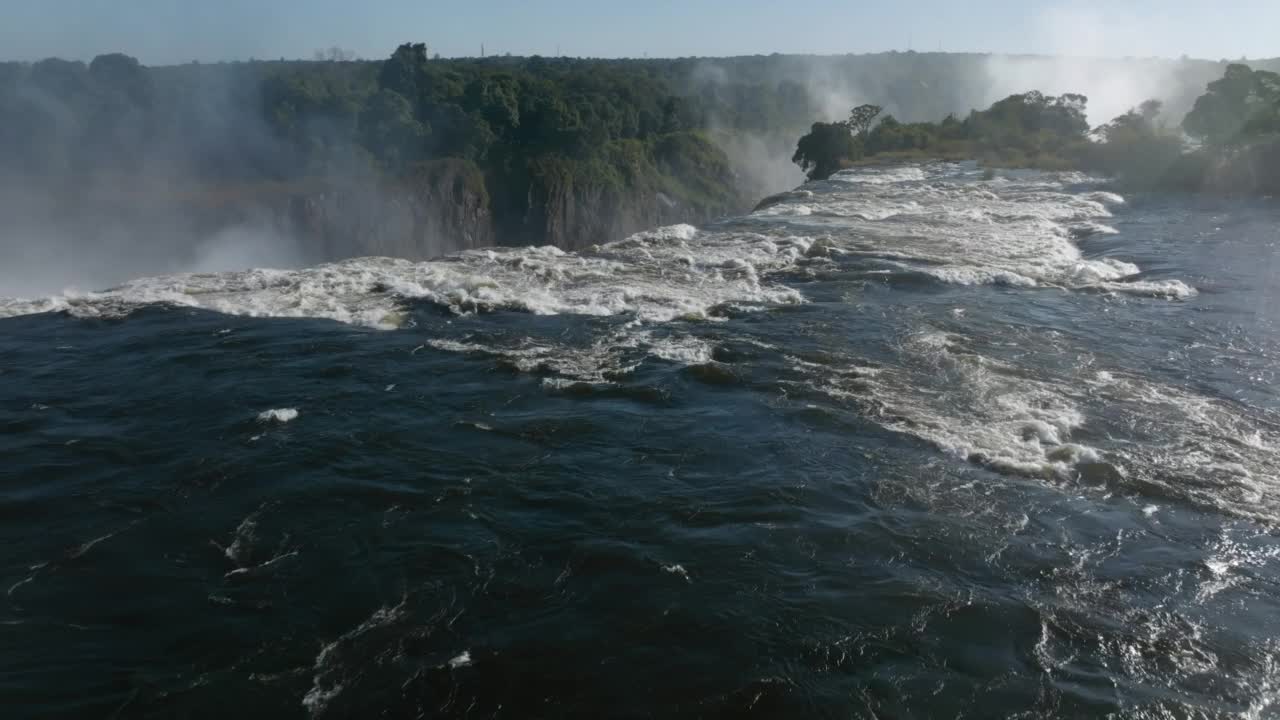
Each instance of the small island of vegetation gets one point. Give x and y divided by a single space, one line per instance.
1228 142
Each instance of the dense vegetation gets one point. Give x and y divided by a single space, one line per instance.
1020 129
521 129
521 135
1230 139
284 121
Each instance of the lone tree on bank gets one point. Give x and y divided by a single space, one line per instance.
830 147
861 117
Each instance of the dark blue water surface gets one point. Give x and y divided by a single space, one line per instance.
960 472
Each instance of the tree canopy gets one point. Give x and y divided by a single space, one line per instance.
643 126
827 147
1020 126
861 117
1243 104
1236 120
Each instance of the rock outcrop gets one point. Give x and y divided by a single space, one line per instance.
575 216
441 209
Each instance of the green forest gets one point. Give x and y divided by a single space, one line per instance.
516 132
1228 141
533 141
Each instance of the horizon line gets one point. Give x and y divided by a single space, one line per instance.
499 56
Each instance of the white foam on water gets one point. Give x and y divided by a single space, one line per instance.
1109 199
785 210
318 698
928 219
1088 228
1171 289
604 360
880 175
237 551
328 670
255 569
1163 440
670 273
974 275
1171 644
677 569
966 405
556 383
278 415
1208 451
682 350
1017 231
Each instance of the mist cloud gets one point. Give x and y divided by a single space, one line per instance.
103 190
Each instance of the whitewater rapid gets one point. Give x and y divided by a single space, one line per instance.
670 273
1012 443
939 220
940 223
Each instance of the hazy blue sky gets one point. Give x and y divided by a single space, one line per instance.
167 31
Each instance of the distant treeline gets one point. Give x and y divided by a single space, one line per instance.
224 120
1229 141
527 128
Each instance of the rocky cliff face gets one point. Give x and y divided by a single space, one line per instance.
576 216
442 209
100 231
449 211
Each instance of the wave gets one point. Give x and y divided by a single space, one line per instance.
1111 429
967 405
943 219
912 224
670 273
935 219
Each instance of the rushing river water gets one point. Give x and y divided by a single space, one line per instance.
909 443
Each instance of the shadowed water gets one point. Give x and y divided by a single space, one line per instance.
908 444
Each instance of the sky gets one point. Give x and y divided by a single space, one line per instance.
175 31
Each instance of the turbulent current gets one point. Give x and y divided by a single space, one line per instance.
907 443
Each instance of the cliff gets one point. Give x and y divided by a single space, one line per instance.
446 207
440 208
633 186
576 215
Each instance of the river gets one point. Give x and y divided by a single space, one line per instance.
908 443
